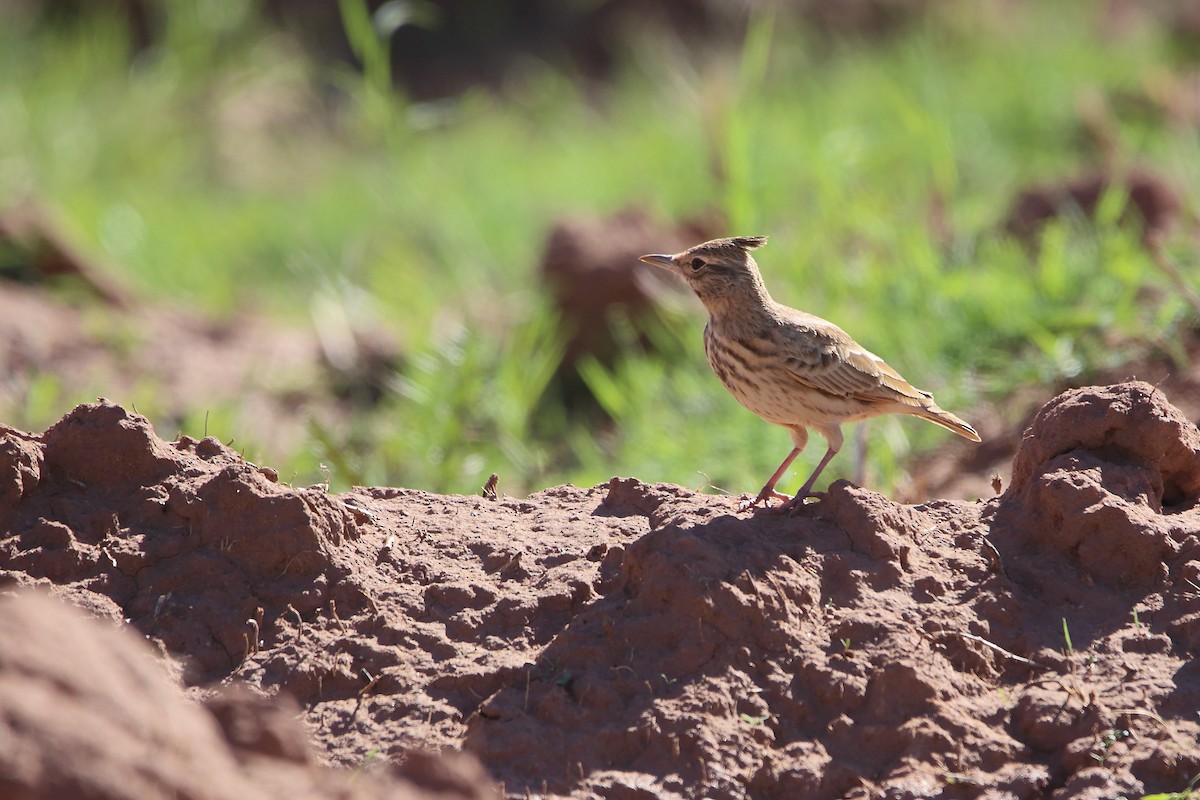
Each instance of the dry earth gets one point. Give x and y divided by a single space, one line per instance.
625 641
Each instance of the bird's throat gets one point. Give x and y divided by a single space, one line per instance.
741 310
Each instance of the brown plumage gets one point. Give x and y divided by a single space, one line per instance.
789 367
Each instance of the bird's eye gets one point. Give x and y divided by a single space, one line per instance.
697 264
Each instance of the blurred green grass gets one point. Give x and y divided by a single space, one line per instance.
225 170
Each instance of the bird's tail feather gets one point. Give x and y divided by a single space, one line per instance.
947 420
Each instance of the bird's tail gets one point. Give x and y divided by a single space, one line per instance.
947 420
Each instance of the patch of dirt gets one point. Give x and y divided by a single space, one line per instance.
268 378
87 711
644 641
1152 204
275 372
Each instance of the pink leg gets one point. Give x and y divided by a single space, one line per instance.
834 437
768 492
799 440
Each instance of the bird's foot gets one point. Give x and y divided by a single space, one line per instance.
795 503
764 497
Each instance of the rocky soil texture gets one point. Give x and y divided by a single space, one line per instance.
624 641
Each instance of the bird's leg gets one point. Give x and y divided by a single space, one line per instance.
768 491
806 490
834 437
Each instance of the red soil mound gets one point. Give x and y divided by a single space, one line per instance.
636 641
87 711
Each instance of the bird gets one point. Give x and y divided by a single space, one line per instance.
789 367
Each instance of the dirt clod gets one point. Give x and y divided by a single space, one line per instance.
1103 476
1131 421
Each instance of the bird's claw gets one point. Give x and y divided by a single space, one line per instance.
746 505
789 506
764 499
799 501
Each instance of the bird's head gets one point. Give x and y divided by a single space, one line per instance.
719 271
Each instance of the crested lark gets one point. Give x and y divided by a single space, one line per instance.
789 367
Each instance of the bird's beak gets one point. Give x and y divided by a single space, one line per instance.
659 260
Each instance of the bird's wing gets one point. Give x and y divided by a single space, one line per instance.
829 361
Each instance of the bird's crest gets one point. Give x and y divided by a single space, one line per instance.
749 242
733 248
